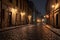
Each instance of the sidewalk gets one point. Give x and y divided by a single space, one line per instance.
54 30
13 27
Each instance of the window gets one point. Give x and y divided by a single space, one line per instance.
20 4
10 1
56 1
3 13
16 2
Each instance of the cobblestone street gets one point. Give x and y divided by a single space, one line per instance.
23 33
29 19
29 33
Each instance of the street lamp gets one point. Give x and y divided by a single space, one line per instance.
53 6
47 16
29 18
22 16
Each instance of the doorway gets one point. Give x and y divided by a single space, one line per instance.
10 18
57 20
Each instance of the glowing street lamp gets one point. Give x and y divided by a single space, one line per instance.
47 16
53 6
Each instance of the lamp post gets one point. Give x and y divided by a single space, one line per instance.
22 16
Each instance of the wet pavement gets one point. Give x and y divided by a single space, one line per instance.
29 32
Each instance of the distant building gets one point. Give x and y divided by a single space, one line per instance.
11 12
35 14
53 10
32 7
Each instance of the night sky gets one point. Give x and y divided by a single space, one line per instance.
40 5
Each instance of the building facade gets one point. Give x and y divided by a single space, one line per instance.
14 12
53 11
0 13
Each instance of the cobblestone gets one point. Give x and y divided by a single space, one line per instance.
29 33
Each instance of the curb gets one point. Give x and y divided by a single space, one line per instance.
53 31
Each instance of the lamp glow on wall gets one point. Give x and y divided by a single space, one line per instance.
22 15
57 5
14 12
29 18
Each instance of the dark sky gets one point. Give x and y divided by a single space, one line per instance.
40 5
